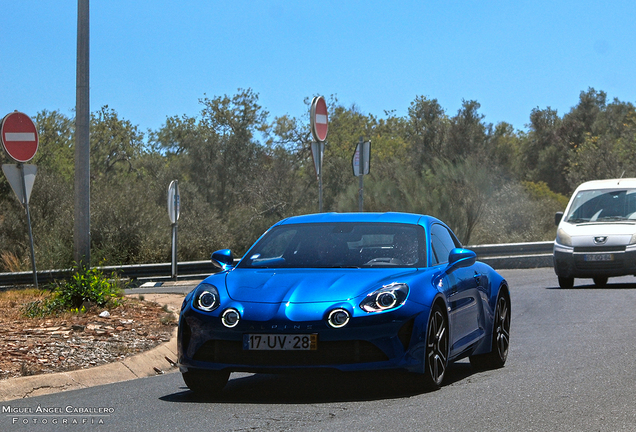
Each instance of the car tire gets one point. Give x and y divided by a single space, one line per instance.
566 282
205 383
600 281
436 354
496 358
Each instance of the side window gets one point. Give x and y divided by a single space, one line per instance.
442 242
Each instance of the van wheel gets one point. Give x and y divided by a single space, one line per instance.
600 281
566 282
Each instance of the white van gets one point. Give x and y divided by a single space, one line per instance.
596 235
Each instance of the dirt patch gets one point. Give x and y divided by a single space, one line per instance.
81 340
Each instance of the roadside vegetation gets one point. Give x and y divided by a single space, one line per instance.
87 288
239 171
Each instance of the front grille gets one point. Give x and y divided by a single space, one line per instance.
328 353
605 249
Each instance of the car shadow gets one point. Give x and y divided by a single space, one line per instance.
320 387
592 286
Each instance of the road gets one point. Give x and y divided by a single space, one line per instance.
571 368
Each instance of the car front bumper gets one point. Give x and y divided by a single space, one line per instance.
368 343
593 262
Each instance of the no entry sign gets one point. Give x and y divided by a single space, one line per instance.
19 136
319 119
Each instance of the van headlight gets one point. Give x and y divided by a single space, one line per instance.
633 240
563 238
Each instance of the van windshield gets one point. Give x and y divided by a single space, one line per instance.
605 205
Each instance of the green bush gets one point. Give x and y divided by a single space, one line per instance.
86 285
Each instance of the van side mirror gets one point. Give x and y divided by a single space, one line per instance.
557 218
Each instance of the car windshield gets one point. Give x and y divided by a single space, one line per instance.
603 205
339 245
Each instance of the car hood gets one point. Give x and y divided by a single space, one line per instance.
308 285
616 233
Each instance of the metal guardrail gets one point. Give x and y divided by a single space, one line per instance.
162 271
499 256
515 255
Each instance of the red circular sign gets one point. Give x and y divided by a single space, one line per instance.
19 136
319 119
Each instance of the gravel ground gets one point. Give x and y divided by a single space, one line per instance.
77 341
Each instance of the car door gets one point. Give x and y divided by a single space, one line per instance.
461 290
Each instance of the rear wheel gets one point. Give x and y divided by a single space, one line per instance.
600 281
436 359
205 383
566 282
496 358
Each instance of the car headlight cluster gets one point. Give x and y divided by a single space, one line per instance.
207 298
563 238
386 298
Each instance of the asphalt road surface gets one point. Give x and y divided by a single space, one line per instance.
571 367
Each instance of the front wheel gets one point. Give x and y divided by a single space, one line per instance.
205 383
436 359
600 281
496 358
566 282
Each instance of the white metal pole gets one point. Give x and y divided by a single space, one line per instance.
28 213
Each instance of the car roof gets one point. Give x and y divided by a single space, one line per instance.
608 184
389 217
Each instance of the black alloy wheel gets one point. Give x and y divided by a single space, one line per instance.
497 357
436 349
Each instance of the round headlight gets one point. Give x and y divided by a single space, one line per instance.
207 300
386 300
388 297
230 318
338 318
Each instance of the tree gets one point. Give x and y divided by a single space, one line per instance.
115 144
467 134
543 152
426 131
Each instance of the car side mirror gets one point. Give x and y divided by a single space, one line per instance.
223 259
557 218
459 257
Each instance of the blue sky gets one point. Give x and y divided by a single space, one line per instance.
155 59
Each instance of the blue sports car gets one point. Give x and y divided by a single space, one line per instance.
347 292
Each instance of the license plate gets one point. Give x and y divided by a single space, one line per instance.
278 342
599 257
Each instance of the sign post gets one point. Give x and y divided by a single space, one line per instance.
319 129
317 152
361 163
174 208
20 140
